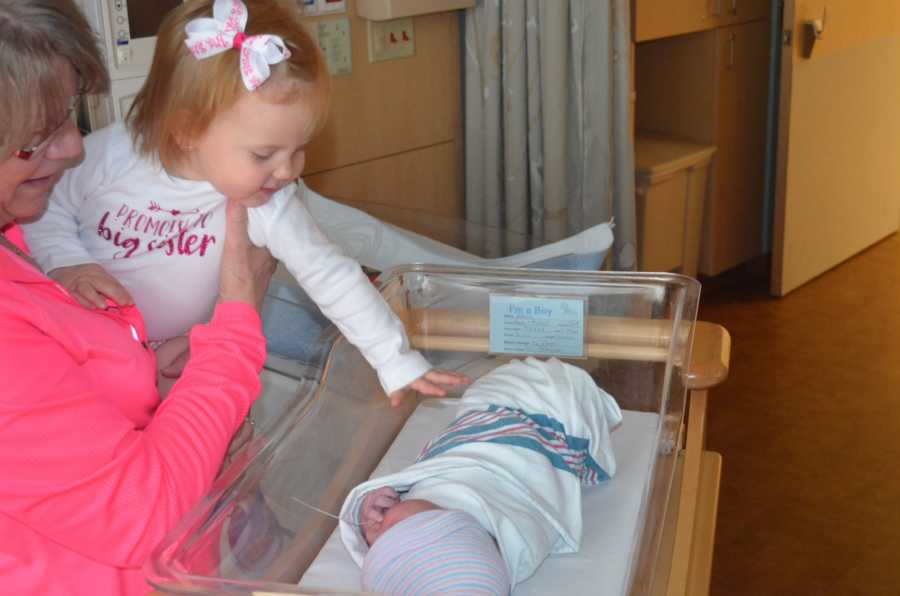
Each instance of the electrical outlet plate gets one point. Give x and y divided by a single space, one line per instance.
390 40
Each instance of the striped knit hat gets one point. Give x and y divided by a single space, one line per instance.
436 552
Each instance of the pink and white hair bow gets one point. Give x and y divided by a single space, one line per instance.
210 36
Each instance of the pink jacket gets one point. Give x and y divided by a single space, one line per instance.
93 470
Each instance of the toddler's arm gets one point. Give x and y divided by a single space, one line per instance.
338 286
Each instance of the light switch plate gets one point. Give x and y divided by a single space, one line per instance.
333 36
390 40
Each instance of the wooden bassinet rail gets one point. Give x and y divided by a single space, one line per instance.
614 338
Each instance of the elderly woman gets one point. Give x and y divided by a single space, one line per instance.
94 470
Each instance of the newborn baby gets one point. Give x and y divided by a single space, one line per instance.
492 496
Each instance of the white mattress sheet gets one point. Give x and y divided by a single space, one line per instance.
610 513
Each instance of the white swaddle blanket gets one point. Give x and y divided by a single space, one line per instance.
528 434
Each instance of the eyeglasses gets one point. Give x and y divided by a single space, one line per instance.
27 153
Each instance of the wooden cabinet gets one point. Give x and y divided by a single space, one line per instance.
711 87
733 221
657 19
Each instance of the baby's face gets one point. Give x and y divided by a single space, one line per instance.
395 515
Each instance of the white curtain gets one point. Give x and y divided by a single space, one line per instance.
548 144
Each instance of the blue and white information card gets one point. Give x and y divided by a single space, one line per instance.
537 326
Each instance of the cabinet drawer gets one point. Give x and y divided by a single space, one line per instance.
654 19
732 12
660 212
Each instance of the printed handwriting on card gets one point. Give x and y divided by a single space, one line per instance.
537 325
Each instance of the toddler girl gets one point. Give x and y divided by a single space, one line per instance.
231 101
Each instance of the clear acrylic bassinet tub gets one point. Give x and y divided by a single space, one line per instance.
261 529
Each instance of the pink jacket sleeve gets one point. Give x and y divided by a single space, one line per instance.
76 466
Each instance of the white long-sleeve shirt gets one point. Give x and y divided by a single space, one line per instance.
162 238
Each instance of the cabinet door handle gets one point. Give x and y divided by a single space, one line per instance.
715 8
732 42
734 7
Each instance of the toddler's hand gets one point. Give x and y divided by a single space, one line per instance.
90 285
430 384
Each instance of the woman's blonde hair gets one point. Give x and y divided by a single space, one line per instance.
35 37
182 94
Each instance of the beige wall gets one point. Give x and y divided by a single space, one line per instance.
394 135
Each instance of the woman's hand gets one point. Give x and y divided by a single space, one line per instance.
171 357
246 269
430 384
240 439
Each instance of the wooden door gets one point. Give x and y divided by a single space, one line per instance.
733 217
655 19
838 160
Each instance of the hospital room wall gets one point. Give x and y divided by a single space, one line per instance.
394 133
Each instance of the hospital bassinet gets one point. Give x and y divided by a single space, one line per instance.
261 529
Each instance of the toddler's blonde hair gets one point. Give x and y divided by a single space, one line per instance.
182 95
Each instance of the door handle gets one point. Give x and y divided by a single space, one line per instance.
734 7
715 8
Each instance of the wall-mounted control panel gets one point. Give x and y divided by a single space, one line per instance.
333 38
